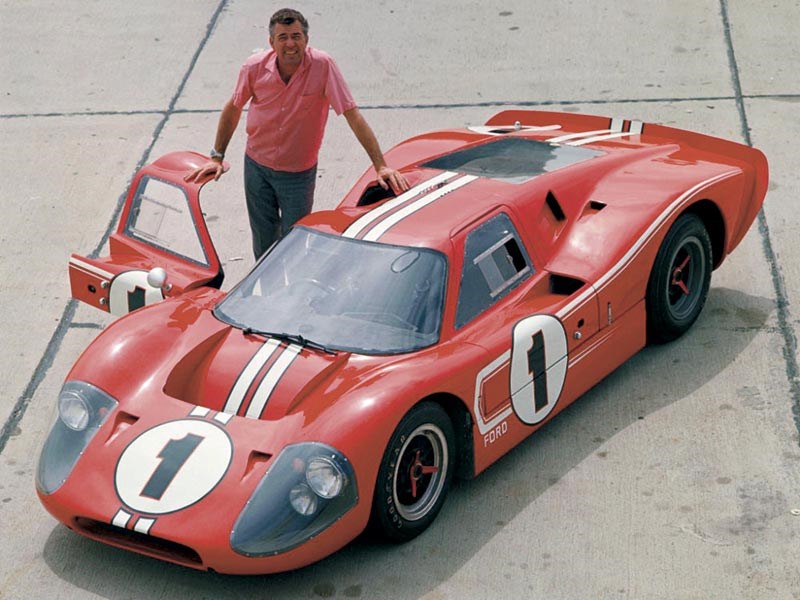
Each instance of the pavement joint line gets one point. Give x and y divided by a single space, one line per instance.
404 106
778 281
65 322
75 325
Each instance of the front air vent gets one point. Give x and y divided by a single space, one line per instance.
139 542
563 285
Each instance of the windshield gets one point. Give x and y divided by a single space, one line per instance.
345 294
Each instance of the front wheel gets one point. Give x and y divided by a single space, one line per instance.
679 281
414 474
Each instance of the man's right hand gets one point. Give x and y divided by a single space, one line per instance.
212 167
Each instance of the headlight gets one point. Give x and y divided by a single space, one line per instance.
73 410
309 487
82 409
303 499
325 477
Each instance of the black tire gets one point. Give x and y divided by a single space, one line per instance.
407 499
679 281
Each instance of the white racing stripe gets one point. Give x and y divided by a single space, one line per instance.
271 379
246 377
616 129
223 418
121 518
199 411
376 232
366 220
143 525
600 138
617 124
575 136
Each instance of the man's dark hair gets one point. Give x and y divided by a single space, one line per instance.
287 16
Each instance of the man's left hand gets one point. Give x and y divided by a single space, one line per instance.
389 178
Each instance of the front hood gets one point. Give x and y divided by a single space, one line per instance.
250 375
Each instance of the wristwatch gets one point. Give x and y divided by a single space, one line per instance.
216 155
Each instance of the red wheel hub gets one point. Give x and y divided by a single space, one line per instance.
677 275
417 470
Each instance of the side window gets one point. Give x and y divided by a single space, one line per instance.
495 262
160 216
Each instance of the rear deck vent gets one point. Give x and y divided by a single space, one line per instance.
592 208
596 205
563 285
555 207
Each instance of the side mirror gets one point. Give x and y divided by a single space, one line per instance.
157 278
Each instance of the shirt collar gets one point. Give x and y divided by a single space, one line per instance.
271 63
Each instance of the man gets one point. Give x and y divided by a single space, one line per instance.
290 90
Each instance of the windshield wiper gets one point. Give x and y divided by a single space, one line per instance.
294 338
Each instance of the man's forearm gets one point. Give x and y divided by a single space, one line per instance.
366 137
228 121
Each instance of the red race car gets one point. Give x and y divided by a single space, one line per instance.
381 348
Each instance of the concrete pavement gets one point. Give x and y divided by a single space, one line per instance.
676 477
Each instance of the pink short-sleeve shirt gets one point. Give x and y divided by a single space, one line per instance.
286 122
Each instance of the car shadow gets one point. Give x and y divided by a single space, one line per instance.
365 568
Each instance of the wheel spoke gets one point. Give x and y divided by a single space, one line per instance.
416 471
678 274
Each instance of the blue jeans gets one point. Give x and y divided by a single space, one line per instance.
276 200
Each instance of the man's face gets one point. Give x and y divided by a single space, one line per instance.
289 43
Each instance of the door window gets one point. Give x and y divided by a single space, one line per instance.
495 262
160 216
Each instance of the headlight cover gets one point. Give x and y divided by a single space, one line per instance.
82 409
288 506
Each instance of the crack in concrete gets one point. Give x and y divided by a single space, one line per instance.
694 530
433 105
778 281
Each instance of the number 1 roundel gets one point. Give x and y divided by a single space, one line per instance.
129 291
172 466
538 367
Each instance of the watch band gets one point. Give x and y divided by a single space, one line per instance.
214 154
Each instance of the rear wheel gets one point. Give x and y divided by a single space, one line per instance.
679 281
415 474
